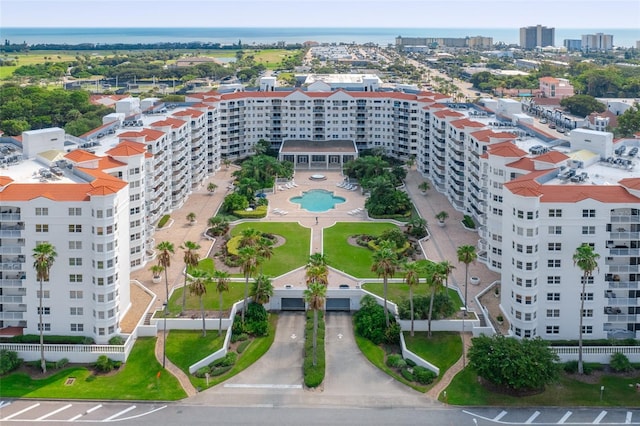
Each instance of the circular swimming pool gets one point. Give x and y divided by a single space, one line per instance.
317 200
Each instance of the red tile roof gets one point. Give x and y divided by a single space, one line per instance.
127 149
552 157
174 123
465 122
81 156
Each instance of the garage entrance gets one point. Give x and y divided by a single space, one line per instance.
292 304
339 304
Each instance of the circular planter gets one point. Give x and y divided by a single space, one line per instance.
474 280
441 224
156 280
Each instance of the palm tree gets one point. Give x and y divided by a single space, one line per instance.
442 216
191 217
191 259
385 262
412 279
436 276
248 263
212 187
317 274
424 187
198 286
466 254
166 249
222 285
262 289
264 248
44 255
315 295
587 260
250 237
317 259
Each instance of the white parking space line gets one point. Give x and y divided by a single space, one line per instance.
565 417
265 386
74 418
600 417
53 412
499 416
4 404
627 421
533 417
24 410
92 409
133 407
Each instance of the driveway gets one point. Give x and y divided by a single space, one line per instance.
276 379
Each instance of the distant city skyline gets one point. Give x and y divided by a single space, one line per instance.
583 14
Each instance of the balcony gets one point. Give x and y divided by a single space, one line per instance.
10 217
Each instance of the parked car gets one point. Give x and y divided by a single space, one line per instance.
560 130
543 121
552 126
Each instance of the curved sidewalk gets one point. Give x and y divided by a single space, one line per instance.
171 368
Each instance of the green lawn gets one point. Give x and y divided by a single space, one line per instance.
397 292
443 349
211 299
198 346
619 392
292 254
343 256
137 380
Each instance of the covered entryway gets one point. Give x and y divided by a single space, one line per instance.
318 154
338 304
293 304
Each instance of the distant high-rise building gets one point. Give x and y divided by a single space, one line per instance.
597 42
573 45
538 36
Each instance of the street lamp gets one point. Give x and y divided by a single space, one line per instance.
464 357
164 334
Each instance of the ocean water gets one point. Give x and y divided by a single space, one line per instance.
381 36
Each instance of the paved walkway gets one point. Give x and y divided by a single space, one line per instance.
448 376
171 368
442 245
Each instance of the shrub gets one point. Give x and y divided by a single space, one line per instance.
242 346
163 220
314 375
258 328
369 320
218 371
237 328
620 363
423 375
468 222
62 363
442 307
407 374
410 362
52 339
256 312
239 337
104 364
9 361
201 372
259 212
392 334
396 361
116 340
228 360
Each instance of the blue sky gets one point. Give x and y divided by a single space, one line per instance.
608 14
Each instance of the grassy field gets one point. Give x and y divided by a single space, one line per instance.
343 256
292 254
397 292
443 349
137 380
186 347
211 299
619 392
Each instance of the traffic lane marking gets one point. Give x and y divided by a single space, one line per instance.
54 412
24 410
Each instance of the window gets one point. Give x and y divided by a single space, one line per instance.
555 212
554 263
553 329
42 228
76 311
75 228
587 329
42 211
45 326
45 294
553 313
553 297
588 230
555 230
586 296
555 247
77 327
75 245
75 278
588 213
75 211
553 280
589 280
45 310
75 294
75 261
587 313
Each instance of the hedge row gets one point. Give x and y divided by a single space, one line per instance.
258 213
163 220
49 339
314 375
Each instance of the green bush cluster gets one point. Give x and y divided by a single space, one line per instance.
423 375
620 363
163 220
314 375
117 340
52 339
105 365
442 307
240 337
468 222
370 323
243 346
9 361
256 322
219 366
571 367
258 213
396 361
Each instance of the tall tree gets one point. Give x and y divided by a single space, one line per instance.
435 276
248 264
315 295
385 263
587 260
264 248
191 259
44 255
466 254
198 287
222 285
262 289
412 272
166 249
